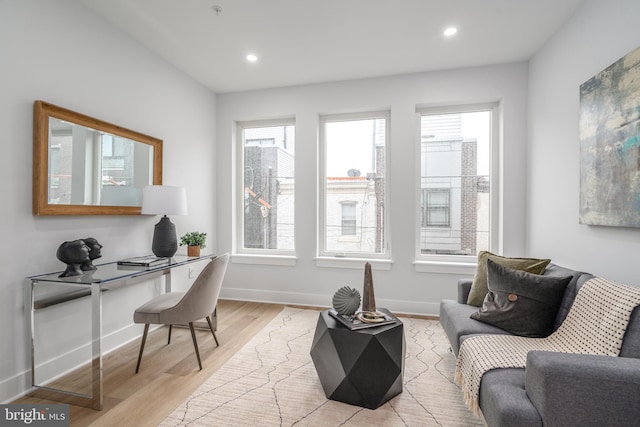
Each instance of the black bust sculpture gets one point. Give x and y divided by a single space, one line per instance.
94 252
74 254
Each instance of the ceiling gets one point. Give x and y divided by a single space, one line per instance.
310 41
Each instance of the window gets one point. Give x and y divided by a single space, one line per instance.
436 207
117 165
457 204
266 190
348 218
353 185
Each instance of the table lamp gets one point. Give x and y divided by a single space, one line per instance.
164 200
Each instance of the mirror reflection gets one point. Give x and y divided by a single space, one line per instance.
90 167
84 166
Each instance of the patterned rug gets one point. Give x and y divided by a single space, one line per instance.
272 381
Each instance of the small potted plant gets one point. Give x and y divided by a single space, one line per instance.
194 241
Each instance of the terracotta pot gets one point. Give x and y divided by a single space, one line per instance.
193 250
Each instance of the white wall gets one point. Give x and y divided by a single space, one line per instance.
599 34
401 288
60 52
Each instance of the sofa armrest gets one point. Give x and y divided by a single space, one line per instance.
464 287
585 390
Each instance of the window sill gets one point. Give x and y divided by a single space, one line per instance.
457 268
353 263
284 260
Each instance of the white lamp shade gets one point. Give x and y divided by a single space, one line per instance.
164 200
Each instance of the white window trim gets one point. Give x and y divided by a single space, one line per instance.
353 259
250 255
454 264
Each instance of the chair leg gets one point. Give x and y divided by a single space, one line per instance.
169 340
144 339
195 344
212 331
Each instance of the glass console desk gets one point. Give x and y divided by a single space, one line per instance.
48 289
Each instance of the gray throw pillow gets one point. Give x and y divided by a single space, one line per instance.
522 303
479 286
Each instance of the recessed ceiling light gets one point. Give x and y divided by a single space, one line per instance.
252 58
450 31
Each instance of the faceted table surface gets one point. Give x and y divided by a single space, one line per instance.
362 367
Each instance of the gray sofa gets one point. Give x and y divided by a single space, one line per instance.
555 389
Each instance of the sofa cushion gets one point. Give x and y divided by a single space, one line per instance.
456 322
522 303
504 401
479 287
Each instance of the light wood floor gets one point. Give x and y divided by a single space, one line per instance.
168 374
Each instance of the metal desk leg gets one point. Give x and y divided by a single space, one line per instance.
167 281
30 298
96 346
95 400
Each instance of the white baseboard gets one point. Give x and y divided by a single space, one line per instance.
316 300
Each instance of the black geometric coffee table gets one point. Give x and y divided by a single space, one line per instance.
362 367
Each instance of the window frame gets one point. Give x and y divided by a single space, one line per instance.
257 255
346 257
434 262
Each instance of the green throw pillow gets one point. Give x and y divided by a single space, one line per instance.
479 287
522 303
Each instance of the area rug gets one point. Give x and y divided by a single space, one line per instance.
272 381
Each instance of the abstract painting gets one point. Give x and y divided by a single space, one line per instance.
610 145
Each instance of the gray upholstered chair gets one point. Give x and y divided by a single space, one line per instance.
174 308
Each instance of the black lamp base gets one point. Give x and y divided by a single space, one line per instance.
165 241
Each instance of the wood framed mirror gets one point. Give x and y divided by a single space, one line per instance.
85 166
